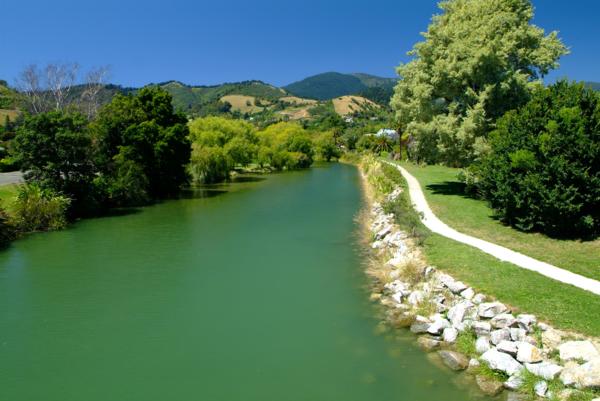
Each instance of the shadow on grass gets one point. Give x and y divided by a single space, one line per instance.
455 188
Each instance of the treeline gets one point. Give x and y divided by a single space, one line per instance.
137 150
219 145
473 97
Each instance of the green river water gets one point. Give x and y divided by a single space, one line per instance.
252 291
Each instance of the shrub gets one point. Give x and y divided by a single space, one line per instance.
6 229
38 209
543 172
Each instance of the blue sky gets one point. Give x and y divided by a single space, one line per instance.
278 41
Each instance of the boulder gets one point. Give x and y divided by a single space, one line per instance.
383 232
456 314
503 321
526 322
570 375
468 294
488 385
518 334
454 360
541 388
437 327
508 347
528 353
576 350
490 309
482 328
590 374
482 345
478 299
497 336
420 325
454 286
545 370
416 297
450 334
474 364
503 362
514 382
551 338
397 286
428 344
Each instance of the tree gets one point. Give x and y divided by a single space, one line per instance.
210 164
543 172
143 128
479 59
55 151
241 151
327 146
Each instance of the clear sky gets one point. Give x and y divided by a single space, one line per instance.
277 41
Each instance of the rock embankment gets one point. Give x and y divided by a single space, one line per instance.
469 330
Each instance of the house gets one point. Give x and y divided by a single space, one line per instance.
388 133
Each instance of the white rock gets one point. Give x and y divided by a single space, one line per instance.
503 362
478 299
482 345
378 245
541 388
397 297
438 326
491 309
383 232
514 382
456 314
518 334
450 334
416 297
503 321
397 286
577 350
455 286
590 374
528 353
546 370
468 294
497 336
482 328
526 322
508 347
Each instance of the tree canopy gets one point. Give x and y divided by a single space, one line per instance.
479 59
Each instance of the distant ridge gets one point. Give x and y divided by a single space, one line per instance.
331 85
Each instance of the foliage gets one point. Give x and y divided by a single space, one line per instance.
543 173
7 231
55 150
142 128
327 147
465 342
479 59
38 209
292 145
210 164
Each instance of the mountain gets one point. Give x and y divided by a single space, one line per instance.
593 85
331 85
192 98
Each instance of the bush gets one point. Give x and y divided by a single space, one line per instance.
210 164
543 172
38 209
6 229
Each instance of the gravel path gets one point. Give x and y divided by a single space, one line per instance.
437 226
15 177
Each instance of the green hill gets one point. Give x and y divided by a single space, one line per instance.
331 85
593 85
193 98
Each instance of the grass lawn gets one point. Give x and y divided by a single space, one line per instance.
562 305
473 216
7 196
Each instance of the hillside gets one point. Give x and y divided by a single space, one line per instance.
593 85
331 85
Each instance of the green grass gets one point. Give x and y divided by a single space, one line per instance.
474 217
465 342
564 306
7 196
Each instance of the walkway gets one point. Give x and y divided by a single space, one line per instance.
504 254
15 177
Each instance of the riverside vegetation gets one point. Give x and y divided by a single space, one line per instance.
468 330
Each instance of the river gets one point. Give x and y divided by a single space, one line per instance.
252 291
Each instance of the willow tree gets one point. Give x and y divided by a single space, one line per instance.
479 59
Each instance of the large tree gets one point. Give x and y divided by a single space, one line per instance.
141 136
479 59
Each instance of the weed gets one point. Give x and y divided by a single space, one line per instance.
465 342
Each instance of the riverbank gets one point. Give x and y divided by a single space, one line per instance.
499 346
